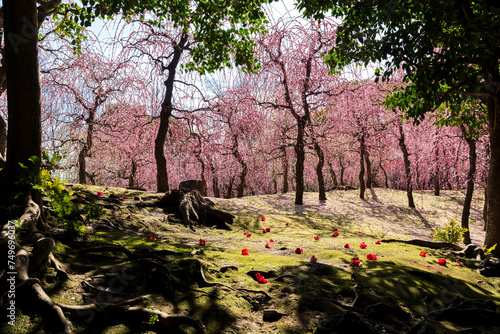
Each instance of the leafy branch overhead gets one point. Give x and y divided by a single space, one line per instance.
223 30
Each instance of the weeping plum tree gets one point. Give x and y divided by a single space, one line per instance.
291 56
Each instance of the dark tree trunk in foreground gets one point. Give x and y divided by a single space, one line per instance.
470 184
493 188
406 158
24 135
299 165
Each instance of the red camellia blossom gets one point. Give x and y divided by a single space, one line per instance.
124 197
377 242
314 259
268 229
272 240
347 246
267 245
263 218
99 193
151 237
299 250
372 257
362 245
442 262
316 237
287 223
264 230
423 253
244 251
458 262
359 232
355 262
202 242
249 235
261 278
335 234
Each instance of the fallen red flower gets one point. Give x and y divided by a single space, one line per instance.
458 261
299 250
287 224
362 245
314 259
356 262
99 193
263 218
249 235
261 279
316 237
359 232
124 197
272 240
372 257
268 229
151 237
244 251
347 246
202 242
267 245
335 234
377 242
264 230
423 253
442 262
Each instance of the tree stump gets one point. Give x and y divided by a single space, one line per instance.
195 209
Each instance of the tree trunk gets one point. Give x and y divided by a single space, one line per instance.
362 187
406 158
82 174
285 171
369 172
299 165
493 188
24 135
319 172
229 193
165 113
131 178
333 175
386 179
342 171
470 184
215 180
244 168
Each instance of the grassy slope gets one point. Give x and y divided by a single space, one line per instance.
401 279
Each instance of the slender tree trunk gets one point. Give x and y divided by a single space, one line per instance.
333 175
319 172
470 184
131 178
493 188
299 165
285 171
165 113
24 135
386 179
342 171
244 168
362 186
82 174
229 193
86 150
215 180
369 172
406 158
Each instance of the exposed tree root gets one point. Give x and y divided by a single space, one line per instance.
134 317
429 244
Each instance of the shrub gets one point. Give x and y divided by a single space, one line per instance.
452 233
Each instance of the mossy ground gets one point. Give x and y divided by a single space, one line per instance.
411 284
